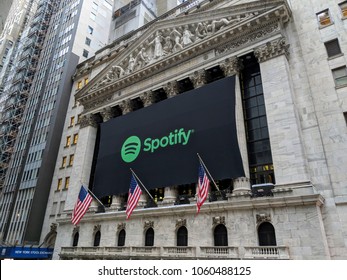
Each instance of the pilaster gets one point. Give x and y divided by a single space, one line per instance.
283 122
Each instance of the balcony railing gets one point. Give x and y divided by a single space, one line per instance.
267 252
175 252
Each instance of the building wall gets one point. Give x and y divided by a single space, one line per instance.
307 133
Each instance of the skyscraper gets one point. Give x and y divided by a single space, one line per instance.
74 31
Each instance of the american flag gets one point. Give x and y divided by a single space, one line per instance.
83 202
134 196
203 186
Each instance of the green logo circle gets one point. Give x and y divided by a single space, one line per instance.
131 149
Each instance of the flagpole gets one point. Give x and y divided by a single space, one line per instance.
209 174
132 171
93 195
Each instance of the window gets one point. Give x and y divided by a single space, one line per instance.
182 236
85 54
108 5
86 81
220 235
67 182
345 115
149 238
97 238
258 142
79 118
75 239
68 141
333 48
324 18
75 138
90 30
121 238
60 182
340 76
88 41
266 235
71 160
63 162
72 121
79 84
343 7
95 6
92 16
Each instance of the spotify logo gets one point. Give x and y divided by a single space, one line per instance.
132 146
131 149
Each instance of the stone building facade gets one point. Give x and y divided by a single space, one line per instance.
291 205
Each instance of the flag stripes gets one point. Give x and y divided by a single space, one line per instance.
82 205
134 196
203 187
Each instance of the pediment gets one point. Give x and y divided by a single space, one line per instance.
167 42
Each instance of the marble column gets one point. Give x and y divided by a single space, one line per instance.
170 195
232 67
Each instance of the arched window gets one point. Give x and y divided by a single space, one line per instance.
266 235
97 238
220 235
75 239
182 236
121 238
149 238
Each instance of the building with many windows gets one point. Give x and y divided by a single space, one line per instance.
60 34
282 65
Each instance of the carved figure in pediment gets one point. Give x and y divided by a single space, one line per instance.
158 48
141 59
176 35
218 25
113 74
187 36
201 30
131 64
168 45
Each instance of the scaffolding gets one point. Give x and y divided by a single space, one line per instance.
20 83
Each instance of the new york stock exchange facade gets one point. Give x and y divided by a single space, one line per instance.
227 82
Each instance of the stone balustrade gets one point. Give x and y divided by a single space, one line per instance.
176 252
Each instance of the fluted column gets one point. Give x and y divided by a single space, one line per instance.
170 195
242 186
232 67
117 202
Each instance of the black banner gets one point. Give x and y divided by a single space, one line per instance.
160 142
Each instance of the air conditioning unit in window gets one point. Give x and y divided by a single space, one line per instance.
260 190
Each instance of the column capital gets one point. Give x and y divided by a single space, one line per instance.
126 106
88 120
272 49
171 89
107 113
147 98
231 66
198 78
